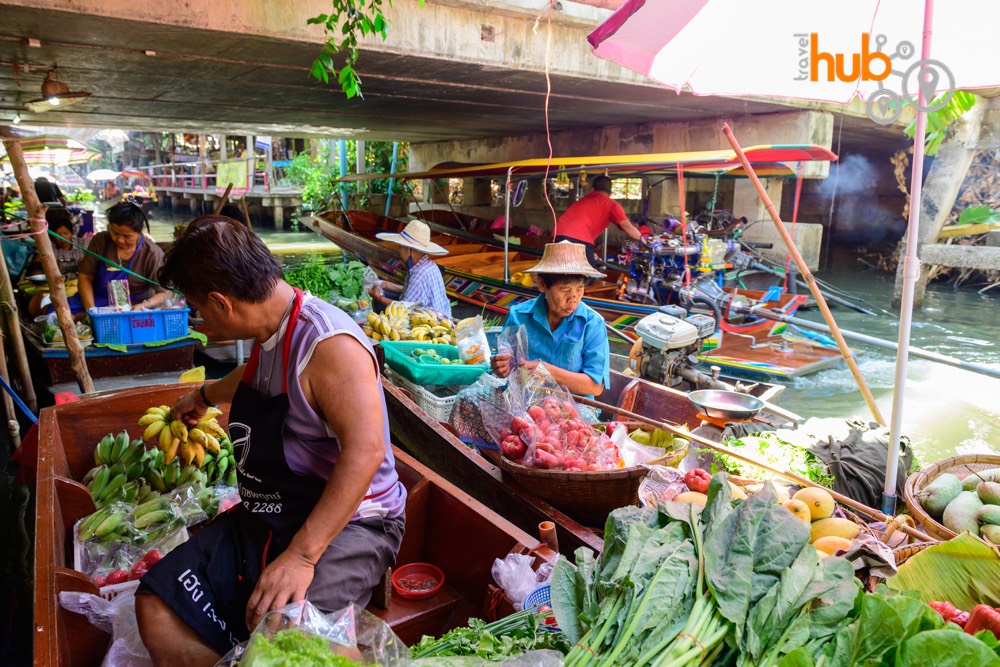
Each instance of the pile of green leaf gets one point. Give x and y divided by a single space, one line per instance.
505 638
292 648
739 586
770 449
341 280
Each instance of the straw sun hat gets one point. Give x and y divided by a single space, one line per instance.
416 235
566 258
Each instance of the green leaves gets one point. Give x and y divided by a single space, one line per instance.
977 214
342 26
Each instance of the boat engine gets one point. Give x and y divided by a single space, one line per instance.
668 346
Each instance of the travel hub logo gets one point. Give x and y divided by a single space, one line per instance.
867 64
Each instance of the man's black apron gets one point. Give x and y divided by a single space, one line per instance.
227 557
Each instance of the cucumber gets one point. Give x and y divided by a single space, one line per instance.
962 513
935 496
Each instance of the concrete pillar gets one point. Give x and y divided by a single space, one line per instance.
747 202
942 185
223 151
476 192
279 217
664 199
360 157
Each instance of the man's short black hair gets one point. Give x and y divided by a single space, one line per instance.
219 254
602 183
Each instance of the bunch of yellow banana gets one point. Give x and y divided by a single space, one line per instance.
425 316
397 310
174 437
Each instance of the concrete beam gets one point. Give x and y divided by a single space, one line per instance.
983 258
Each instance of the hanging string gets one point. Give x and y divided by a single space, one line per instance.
22 235
548 94
714 199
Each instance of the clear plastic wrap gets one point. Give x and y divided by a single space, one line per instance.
299 633
516 575
118 295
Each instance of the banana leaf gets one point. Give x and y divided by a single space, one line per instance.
964 571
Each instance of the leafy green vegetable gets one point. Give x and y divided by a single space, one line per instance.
508 637
312 275
770 449
348 279
292 648
962 571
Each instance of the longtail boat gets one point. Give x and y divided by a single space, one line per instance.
445 526
436 445
473 273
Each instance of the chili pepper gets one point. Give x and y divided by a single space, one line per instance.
984 617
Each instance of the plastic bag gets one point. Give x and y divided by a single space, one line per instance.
299 633
118 295
514 342
537 424
470 337
516 576
661 484
117 618
634 453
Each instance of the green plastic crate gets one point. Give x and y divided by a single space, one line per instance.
397 356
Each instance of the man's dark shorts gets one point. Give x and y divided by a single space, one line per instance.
208 580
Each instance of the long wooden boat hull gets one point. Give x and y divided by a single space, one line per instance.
445 526
477 279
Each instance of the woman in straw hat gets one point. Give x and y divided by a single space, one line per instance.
565 335
423 283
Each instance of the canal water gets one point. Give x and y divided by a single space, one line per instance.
948 411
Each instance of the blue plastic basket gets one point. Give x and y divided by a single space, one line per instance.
140 326
538 597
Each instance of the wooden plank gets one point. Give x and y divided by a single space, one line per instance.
968 230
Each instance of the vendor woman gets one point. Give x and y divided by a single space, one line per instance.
125 245
565 335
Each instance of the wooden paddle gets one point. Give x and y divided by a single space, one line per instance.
787 474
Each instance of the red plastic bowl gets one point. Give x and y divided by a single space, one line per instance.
419 570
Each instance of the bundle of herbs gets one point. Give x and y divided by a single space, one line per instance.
508 637
680 585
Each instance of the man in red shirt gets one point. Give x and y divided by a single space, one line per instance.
587 218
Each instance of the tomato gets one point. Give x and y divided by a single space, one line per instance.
153 557
140 568
116 577
698 480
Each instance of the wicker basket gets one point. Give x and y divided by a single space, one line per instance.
961 467
902 554
587 497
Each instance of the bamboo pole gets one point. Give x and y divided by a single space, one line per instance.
10 316
225 197
807 275
787 474
246 213
13 426
57 287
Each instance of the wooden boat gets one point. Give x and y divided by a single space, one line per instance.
51 365
445 526
436 445
473 273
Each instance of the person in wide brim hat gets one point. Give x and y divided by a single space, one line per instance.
423 283
565 335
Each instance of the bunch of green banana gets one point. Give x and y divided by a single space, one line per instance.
174 438
106 524
111 449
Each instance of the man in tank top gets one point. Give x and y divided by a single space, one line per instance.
321 512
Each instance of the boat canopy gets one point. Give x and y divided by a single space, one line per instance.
768 160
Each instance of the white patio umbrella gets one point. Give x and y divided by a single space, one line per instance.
102 175
819 51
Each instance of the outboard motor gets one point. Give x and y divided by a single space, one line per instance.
668 346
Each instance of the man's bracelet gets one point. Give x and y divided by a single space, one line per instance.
204 399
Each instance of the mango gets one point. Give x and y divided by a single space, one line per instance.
831 544
833 528
799 509
961 513
988 492
820 503
992 533
692 497
935 496
738 492
989 514
977 476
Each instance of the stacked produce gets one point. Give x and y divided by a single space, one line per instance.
971 505
553 436
737 582
400 322
197 447
342 283
815 508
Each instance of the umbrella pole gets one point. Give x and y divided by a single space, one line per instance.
57 287
506 230
807 275
911 271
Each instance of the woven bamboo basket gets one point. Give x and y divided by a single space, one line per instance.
587 497
902 554
961 467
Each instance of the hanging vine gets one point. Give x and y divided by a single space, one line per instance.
342 26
